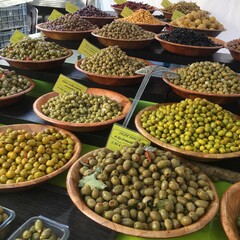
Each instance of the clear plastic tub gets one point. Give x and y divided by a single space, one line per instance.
61 230
5 226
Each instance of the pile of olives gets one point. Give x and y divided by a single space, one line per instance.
149 190
208 77
69 22
3 215
112 61
124 30
38 231
235 44
92 11
194 125
198 20
27 155
33 49
81 107
11 83
135 6
182 6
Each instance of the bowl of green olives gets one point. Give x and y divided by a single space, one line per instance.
83 112
190 136
230 211
140 192
33 154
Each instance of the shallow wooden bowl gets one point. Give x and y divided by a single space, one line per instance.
119 10
215 98
8 100
167 15
37 65
235 53
195 156
64 35
32 183
123 43
188 50
230 210
84 127
155 28
72 181
100 21
112 80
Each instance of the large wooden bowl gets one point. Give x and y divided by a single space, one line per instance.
32 183
37 64
100 21
112 80
230 211
72 181
8 100
84 127
188 50
123 43
212 97
195 156
64 35
235 53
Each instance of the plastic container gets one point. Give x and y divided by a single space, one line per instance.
6 225
61 230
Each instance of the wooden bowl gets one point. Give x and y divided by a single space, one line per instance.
84 127
188 50
64 35
155 28
195 156
230 210
235 53
8 100
32 183
100 21
38 64
72 181
212 97
167 15
112 80
119 10
123 43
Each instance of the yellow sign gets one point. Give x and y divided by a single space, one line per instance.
54 15
177 14
126 12
166 3
87 49
65 84
119 1
17 36
121 136
69 7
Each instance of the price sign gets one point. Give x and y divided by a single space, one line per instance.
126 12
69 7
119 1
87 49
54 15
177 14
166 3
17 36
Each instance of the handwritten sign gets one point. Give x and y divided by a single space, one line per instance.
87 49
126 12
119 1
166 3
54 15
17 36
177 14
69 7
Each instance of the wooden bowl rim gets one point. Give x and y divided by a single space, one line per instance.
205 156
20 93
39 27
100 18
166 80
83 125
108 76
70 53
80 204
32 183
215 40
230 48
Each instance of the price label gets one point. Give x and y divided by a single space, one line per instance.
87 49
69 7
126 12
17 36
166 3
119 1
121 136
54 15
177 14
65 85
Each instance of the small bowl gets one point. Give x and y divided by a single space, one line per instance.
119 10
73 189
38 65
112 80
10 187
5 226
188 50
196 156
61 230
100 21
155 28
215 98
84 127
230 211
123 43
64 35
167 15
8 100
235 53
